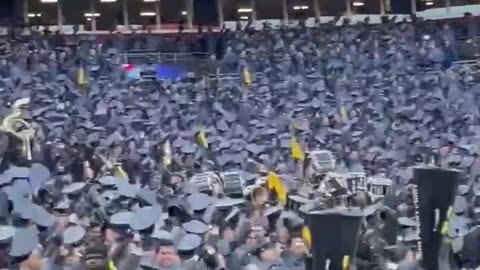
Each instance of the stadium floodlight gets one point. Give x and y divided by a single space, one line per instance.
147 14
358 4
89 15
244 10
300 7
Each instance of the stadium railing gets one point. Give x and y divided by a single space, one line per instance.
221 79
133 57
429 14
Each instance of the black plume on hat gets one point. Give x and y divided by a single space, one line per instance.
435 193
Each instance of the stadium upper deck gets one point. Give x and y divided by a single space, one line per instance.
165 16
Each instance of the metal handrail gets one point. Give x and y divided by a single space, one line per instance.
219 77
471 64
466 62
164 57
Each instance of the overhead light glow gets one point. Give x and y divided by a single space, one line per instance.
147 14
49 1
245 10
108 1
33 15
358 4
89 15
245 18
148 1
429 3
300 7
184 13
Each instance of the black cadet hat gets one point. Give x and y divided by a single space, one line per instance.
463 190
20 189
410 235
255 149
108 181
73 188
188 147
148 196
195 226
199 201
126 189
24 241
264 247
143 218
296 201
18 173
162 235
6 232
41 217
228 202
371 209
272 211
5 179
189 242
73 234
121 218
22 208
39 174
177 234
406 222
62 205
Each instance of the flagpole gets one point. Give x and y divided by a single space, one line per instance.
26 19
59 15
126 23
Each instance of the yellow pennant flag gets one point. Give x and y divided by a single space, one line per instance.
343 114
167 153
202 139
296 149
275 183
7 123
81 80
111 266
346 262
118 171
307 237
247 77
444 229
